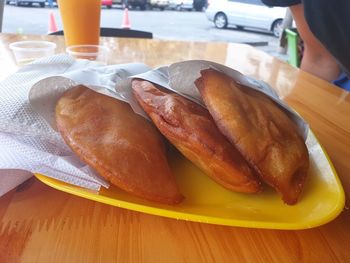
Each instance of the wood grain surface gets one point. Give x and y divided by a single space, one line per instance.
41 224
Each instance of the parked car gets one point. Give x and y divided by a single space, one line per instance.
132 3
161 4
142 4
27 2
114 2
246 13
181 4
107 3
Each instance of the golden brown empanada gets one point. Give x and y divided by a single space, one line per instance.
261 131
191 129
120 145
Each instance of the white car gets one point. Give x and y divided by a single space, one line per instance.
246 13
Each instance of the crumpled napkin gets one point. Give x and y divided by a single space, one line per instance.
28 143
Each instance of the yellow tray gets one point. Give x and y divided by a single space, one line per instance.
322 200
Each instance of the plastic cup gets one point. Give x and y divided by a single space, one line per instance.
28 51
96 53
81 21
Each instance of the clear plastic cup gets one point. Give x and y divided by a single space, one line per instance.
96 53
28 51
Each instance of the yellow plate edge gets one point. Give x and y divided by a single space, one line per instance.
75 190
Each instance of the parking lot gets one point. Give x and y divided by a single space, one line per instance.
168 24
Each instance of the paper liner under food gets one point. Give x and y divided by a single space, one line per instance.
115 81
28 139
28 134
44 95
180 78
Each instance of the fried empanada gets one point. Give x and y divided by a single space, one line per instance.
191 129
261 131
123 147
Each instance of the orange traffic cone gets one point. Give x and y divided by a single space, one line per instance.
126 22
52 23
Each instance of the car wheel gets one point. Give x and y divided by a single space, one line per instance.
220 20
277 27
42 4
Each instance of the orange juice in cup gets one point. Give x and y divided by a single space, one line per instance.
81 21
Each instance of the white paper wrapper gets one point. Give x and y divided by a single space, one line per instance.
180 77
28 136
28 139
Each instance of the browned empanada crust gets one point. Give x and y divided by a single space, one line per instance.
120 145
191 129
261 131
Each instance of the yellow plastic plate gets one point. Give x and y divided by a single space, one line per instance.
322 199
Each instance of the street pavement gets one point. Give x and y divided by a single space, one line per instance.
168 24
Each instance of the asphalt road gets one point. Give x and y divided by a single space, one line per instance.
168 24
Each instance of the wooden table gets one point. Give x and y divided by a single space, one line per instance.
41 224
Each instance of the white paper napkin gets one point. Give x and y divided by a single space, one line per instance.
27 140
